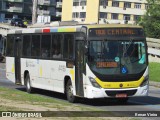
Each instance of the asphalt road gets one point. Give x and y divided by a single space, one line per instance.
150 103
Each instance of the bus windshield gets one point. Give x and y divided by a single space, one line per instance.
117 57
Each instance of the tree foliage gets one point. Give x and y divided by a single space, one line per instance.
151 20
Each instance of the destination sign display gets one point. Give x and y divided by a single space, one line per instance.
106 64
101 32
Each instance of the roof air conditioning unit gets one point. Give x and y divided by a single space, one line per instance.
104 20
104 6
82 20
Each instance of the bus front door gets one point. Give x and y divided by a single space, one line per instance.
18 49
79 68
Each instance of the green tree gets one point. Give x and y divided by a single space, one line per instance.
151 20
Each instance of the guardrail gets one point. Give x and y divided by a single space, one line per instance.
154 47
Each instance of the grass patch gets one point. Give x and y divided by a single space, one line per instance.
34 99
154 71
135 119
17 95
8 108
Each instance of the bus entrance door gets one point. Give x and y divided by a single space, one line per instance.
18 49
79 68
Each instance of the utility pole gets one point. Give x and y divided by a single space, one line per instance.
34 12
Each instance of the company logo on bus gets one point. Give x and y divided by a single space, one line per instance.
121 85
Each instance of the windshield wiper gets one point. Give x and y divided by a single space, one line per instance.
127 47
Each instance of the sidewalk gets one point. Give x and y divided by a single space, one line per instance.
153 59
155 84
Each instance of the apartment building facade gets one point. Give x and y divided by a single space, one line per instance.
50 9
104 11
15 8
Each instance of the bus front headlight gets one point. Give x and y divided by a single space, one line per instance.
145 81
94 83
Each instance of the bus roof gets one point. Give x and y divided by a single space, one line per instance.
45 30
75 28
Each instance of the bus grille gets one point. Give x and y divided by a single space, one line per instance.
128 92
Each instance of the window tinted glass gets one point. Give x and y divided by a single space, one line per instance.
82 14
104 2
27 45
35 45
115 3
75 3
103 15
83 2
68 46
127 5
57 46
10 45
114 16
45 46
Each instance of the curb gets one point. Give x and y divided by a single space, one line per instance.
155 84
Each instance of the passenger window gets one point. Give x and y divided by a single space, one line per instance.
57 46
10 45
35 46
27 45
68 46
45 46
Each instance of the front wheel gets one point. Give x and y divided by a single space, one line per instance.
29 89
69 92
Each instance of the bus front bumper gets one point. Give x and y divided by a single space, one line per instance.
92 92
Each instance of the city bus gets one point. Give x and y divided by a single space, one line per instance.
82 61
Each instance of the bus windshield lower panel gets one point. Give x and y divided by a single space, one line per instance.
116 60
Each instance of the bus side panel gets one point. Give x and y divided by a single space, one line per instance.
22 71
58 72
47 74
70 71
52 74
44 70
23 68
31 65
10 69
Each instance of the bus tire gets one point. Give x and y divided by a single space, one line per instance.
69 92
29 89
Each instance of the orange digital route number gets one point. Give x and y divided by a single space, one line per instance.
107 64
103 32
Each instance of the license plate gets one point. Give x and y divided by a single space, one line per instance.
122 95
